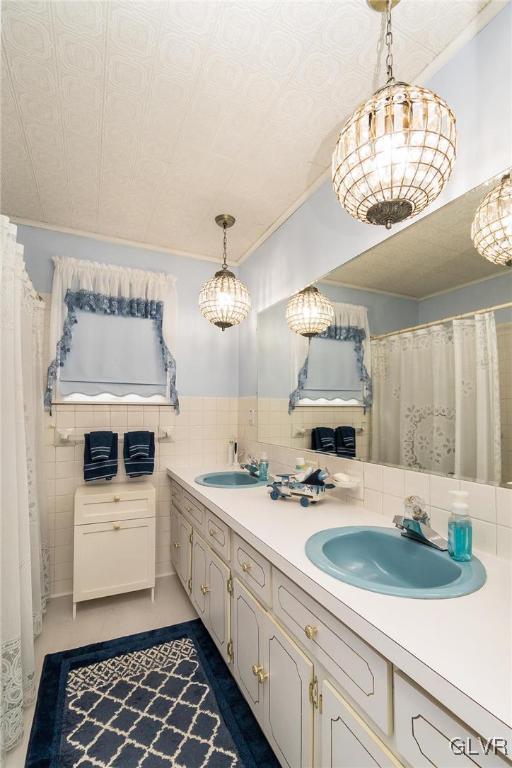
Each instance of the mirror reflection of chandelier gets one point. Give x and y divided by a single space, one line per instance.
224 300
491 230
396 152
309 312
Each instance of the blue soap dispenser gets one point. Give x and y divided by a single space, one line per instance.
263 467
460 529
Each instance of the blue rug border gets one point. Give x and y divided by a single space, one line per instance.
44 744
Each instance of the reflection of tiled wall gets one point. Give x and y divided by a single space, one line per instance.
382 489
504 332
199 436
276 425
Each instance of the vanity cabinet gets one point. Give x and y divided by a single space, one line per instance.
276 678
424 731
210 591
346 741
322 695
114 540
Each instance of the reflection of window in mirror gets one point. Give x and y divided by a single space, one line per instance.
439 352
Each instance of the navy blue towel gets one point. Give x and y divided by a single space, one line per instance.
100 445
345 438
138 444
138 467
100 470
322 439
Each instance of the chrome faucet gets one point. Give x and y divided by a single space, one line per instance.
417 525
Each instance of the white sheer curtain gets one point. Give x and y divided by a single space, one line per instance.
23 545
436 399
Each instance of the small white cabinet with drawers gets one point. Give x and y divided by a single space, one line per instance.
114 540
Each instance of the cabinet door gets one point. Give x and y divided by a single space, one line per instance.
217 575
288 718
111 558
345 740
199 583
175 539
248 645
184 538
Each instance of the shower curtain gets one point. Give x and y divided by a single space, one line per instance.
23 546
436 399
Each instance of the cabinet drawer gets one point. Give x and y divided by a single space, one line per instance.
218 535
424 731
110 558
192 509
114 505
253 569
362 672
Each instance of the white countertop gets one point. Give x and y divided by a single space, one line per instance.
460 649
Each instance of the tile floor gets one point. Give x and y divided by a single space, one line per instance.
99 620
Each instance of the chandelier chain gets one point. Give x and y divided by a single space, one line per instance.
225 246
389 43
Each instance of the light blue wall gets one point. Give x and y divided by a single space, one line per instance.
487 293
385 311
207 359
320 236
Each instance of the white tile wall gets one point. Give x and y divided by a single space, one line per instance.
383 489
200 435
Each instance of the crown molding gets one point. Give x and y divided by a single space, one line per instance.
465 285
111 239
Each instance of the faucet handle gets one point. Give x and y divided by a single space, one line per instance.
416 507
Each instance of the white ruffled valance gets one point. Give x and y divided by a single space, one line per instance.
106 280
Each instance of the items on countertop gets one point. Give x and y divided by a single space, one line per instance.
309 486
460 528
138 444
263 467
100 445
100 469
139 466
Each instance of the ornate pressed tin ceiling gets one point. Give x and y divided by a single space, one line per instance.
141 120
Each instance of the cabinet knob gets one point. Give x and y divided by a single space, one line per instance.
117 498
204 589
212 532
256 669
177 545
310 631
116 526
246 567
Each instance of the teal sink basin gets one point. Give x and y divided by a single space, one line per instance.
232 479
382 560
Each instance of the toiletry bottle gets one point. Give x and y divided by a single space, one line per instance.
460 530
263 467
300 464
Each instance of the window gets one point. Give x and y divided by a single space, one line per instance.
114 355
332 373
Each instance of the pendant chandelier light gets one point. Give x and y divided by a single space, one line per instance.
309 312
396 152
224 300
491 230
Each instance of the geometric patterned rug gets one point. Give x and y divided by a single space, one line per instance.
154 700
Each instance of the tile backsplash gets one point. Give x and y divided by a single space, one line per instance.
198 435
382 489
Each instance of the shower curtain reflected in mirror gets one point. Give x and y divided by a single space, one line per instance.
436 400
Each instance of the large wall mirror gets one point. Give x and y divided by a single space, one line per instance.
415 369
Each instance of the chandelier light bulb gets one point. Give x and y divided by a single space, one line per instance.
491 230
